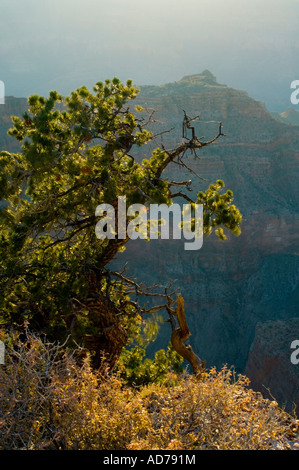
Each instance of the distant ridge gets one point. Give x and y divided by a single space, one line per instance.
205 77
197 81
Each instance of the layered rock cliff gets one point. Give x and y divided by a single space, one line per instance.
270 365
231 287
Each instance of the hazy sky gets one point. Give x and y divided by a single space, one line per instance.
62 44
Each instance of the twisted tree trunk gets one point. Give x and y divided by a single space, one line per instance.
108 343
179 335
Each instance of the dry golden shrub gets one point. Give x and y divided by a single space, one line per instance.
50 400
216 412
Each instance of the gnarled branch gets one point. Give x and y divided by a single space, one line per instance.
180 334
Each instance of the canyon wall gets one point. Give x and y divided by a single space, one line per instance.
231 287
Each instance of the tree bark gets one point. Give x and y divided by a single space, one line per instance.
108 343
179 335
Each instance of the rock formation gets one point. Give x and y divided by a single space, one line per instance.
269 364
231 287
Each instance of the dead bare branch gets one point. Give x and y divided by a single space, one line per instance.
181 333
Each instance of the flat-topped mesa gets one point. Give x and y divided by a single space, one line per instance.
206 77
204 81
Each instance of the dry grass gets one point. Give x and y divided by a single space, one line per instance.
49 401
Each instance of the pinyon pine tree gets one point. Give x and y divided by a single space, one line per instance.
76 153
